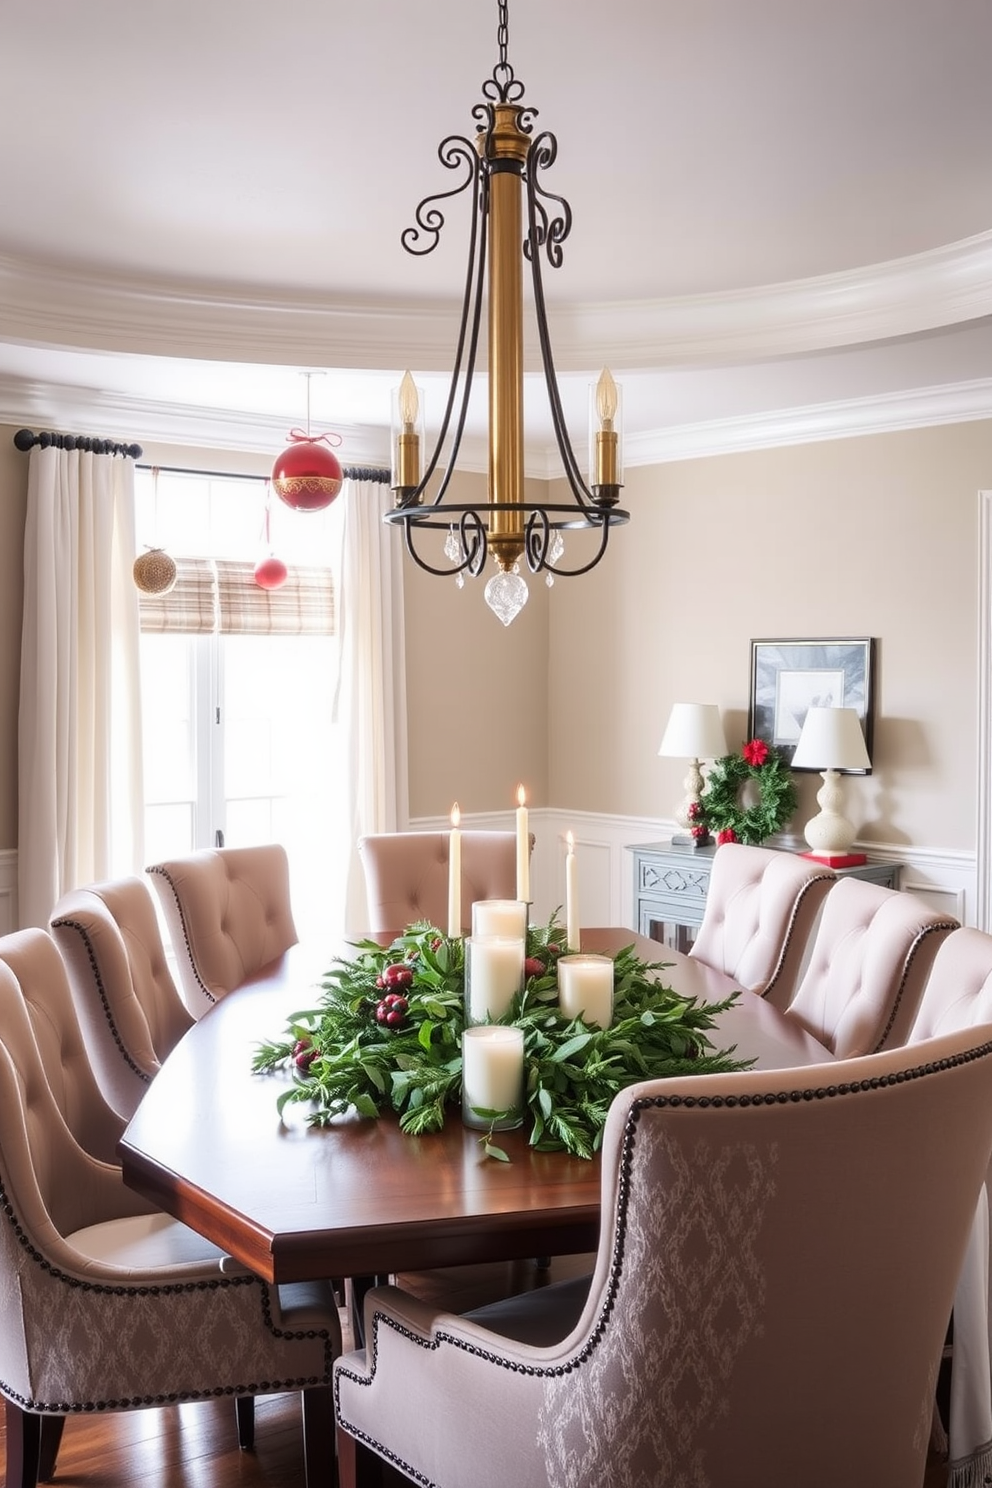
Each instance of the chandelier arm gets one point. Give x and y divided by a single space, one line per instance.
574 573
573 475
474 545
428 218
537 536
471 311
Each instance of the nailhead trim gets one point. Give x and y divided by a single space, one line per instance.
67 924
817 878
940 926
158 868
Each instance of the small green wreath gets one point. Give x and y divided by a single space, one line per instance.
722 811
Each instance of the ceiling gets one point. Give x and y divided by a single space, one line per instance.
782 214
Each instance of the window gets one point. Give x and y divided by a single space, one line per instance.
238 685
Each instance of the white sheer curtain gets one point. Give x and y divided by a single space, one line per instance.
372 696
80 794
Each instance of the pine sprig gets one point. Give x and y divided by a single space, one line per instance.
343 1058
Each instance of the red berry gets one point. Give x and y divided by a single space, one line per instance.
397 975
382 1009
304 1059
397 1003
533 967
436 943
300 1046
379 982
394 1017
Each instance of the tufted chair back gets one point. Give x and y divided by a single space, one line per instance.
128 1005
229 914
107 1304
761 907
406 875
958 993
868 967
676 1361
33 963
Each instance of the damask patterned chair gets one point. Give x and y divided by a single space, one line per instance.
700 1351
106 1304
761 908
128 1005
229 914
406 875
868 967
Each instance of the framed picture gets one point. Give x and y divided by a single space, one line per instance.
790 677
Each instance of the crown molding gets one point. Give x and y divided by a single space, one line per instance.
46 304
51 405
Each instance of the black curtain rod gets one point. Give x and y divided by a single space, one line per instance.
25 440
352 472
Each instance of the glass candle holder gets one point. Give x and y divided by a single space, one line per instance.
494 974
493 1076
585 988
507 917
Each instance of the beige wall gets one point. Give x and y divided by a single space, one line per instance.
477 692
873 536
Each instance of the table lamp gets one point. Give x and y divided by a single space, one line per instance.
694 732
831 741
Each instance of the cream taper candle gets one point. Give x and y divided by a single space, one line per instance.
455 874
572 931
585 988
523 847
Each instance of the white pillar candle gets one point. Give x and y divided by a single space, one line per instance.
585 988
455 874
523 847
494 973
500 917
572 931
492 1074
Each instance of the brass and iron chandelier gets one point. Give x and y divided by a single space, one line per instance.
501 166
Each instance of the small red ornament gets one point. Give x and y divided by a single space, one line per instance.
307 475
726 835
271 573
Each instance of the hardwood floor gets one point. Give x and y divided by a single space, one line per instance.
196 1445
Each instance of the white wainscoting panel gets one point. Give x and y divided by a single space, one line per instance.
947 880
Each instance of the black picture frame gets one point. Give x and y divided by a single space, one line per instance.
790 676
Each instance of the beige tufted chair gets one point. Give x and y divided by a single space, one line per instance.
39 972
229 914
868 967
958 993
760 911
699 1351
128 1005
406 875
106 1304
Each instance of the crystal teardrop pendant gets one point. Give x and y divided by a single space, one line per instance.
453 547
506 594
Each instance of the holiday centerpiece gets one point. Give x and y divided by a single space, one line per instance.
721 809
386 1035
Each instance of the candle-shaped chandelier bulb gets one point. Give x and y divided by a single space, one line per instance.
606 476
406 442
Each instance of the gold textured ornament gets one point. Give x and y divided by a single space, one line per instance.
154 572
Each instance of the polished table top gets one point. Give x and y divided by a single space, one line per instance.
359 1197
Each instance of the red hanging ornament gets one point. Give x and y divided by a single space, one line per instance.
307 475
270 571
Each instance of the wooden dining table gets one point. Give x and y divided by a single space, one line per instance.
358 1197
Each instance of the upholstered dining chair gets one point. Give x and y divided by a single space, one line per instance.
228 913
129 1008
406 875
107 1304
868 967
761 908
39 973
699 1350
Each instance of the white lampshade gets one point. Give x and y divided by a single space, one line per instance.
694 732
831 739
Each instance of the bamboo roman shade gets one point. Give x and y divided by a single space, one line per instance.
216 594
